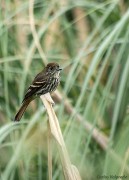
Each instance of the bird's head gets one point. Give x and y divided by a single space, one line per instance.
53 68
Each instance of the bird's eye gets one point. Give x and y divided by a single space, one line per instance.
58 66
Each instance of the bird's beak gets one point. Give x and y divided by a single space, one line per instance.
60 69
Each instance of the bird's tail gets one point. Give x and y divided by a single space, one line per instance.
22 110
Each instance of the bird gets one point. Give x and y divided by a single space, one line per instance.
45 82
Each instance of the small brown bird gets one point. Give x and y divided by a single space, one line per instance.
46 81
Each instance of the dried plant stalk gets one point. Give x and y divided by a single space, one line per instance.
49 153
69 170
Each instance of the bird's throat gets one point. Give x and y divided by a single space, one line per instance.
56 75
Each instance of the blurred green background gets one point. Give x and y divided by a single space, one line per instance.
90 40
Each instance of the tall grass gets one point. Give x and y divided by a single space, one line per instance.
90 40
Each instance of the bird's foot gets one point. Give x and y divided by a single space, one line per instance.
49 99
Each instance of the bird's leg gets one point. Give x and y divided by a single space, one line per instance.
49 98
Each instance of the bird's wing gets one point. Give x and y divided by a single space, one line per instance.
39 82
